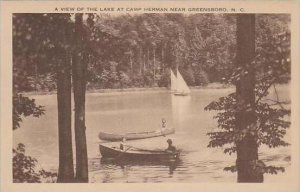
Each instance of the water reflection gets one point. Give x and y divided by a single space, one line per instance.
126 165
180 107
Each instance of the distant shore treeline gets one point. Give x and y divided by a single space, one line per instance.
133 89
131 51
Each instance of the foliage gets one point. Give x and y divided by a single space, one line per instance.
108 78
137 80
38 41
271 64
24 167
164 79
44 82
25 170
188 76
259 166
124 79
127 43
201 78
23 106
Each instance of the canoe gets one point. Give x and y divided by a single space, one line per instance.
137 154
132 136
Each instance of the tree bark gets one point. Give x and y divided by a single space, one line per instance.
79 85
36 76
154 64
148 55
130 61
140 60
162 58
144 69
247 148
66 167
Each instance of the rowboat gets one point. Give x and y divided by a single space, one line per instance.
131 153
132 136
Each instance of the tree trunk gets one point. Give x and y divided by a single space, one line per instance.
66 167
148 55
79 85
36 76
154 65
162 58
247 148
130 60
144 69
140 60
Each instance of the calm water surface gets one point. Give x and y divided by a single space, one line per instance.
143 111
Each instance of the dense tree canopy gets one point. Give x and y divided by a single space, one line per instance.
128 50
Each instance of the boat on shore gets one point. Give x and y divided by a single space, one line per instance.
132 153
133 136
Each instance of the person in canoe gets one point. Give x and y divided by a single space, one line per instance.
163 124
122 144
170 148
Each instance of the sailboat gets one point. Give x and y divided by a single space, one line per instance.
178 85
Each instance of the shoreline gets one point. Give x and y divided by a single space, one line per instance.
134 89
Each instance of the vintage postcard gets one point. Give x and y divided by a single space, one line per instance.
150 95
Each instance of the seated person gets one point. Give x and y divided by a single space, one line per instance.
170 148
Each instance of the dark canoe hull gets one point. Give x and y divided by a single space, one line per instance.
133 136
140 155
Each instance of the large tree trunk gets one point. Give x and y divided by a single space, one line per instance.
140 61
66 167
79 86
130 61
162 58
144 69
154 65
36 76
247 148
148 57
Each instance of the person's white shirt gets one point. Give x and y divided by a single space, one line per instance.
163 124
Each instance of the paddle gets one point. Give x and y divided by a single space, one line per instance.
129 147
140 149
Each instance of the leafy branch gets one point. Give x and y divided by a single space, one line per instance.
271 66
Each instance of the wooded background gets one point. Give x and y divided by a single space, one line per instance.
133 50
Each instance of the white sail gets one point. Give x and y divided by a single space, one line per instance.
181 86
173 82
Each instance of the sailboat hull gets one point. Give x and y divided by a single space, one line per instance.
181 94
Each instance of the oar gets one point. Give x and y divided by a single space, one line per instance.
129 147
124 151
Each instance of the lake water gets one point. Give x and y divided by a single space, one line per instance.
143 111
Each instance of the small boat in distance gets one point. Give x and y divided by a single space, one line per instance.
178 85
132 153
133 136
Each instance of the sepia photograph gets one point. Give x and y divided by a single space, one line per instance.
100 96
